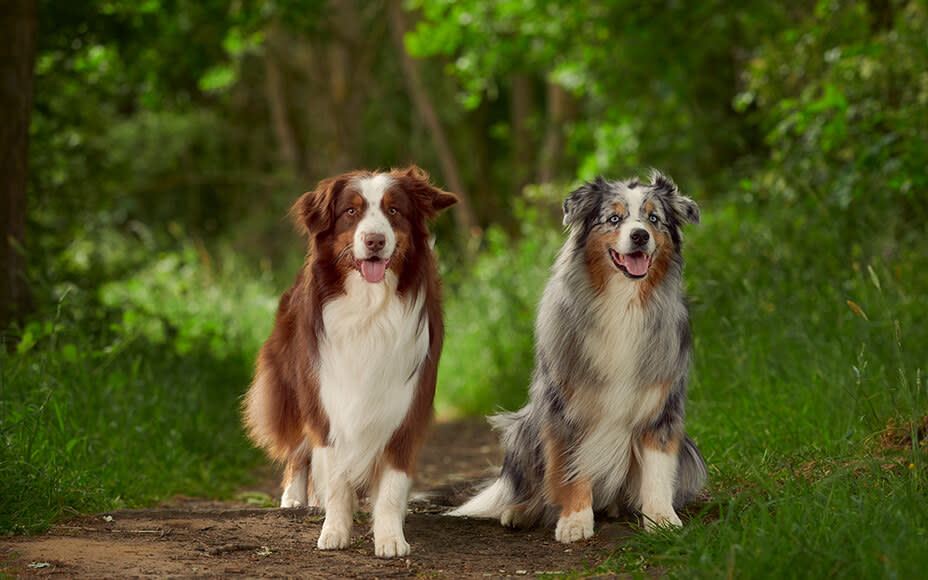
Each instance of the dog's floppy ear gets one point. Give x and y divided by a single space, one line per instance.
583 200
683 207
314 212
429 198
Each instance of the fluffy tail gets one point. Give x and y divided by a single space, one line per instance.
691 473
499 493
489 503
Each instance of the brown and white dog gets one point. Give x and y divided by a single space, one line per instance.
604 426
344 386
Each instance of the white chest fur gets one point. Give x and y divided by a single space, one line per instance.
370 358
619 405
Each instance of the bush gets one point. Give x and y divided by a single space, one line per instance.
131 392
841 97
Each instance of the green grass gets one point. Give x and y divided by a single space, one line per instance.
106 407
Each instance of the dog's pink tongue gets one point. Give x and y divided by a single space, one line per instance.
636 264
373 270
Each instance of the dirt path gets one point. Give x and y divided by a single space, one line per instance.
189 537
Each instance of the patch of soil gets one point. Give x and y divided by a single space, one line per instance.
193 537
897 436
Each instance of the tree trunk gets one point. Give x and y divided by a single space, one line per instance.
277 100
560 110
348 69
18 23
521 105
463 211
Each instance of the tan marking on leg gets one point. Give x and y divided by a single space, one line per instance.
650 440
570 495
574 496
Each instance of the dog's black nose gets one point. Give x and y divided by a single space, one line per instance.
375 242
640 237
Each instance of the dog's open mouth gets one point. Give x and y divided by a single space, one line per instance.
372 269
634 265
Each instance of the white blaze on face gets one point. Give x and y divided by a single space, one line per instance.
634 256
636 220
373 263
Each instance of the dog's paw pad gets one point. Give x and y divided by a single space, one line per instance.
391 547
574 527
332 540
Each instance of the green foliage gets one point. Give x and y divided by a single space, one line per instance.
133 400
489 318
654 81
842 99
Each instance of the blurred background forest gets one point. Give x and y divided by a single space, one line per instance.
168 138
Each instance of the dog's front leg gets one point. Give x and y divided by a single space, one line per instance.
576 519
339 500
658 474
574 495
389 512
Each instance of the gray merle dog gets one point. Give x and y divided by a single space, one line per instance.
604 426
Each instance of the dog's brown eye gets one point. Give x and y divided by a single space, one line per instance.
393 211
351 211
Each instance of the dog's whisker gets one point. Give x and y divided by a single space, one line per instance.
349 249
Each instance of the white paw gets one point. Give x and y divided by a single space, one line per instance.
391 546
295 493
661 519
331 539
293 496
575 526
290 502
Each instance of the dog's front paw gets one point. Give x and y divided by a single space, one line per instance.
391 546
575 526
332 539
657 519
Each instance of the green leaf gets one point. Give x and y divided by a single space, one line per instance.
69 353
218 79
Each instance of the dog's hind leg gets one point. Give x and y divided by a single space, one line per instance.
298 488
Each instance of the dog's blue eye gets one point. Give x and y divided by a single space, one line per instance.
652 218
614 219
